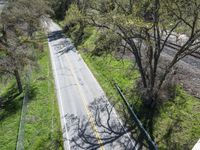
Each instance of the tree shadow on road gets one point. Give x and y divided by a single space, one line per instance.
63 46
53 36
103 128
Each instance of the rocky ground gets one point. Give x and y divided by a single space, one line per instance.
187 74
187 70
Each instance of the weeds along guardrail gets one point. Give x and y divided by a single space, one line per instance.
144 133
21 130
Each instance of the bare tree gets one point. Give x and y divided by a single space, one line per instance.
145 29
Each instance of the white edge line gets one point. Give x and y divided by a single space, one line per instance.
58 93
114 111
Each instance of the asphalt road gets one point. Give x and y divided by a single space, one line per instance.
79 94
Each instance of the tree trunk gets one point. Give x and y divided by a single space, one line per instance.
141 69
19 83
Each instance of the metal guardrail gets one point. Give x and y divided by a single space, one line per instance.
152 145
21 130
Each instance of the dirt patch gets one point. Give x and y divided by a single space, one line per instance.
187 75
189 78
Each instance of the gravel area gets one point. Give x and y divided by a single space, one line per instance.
188 59
188 70
187 74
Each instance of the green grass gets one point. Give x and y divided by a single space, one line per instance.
42 121
9 117
106 69
176 126
42 128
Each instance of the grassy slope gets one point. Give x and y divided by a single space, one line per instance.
10 115
177 124
42 129
42 125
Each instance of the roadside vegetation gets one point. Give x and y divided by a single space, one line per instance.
176 119
27 94
120 40
176 124
10 110
42 125
42 128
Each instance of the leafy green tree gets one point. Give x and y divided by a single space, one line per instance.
19 20
78 21
60 7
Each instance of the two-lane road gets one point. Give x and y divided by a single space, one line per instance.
77 89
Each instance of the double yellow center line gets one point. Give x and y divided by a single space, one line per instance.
84 101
